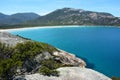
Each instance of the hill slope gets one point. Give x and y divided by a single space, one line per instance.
70 16
25 16
16 18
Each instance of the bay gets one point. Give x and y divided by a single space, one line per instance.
99 46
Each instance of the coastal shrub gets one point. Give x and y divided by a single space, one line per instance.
49 67
6 67
52 64
115 78
23 37
13 57
31 49
49 72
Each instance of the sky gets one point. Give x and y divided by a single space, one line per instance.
43 7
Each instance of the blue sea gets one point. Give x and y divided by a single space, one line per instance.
99 46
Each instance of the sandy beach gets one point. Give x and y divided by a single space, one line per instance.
43 27
37 27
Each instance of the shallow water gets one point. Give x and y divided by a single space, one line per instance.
98 46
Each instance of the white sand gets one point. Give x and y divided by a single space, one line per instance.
38 27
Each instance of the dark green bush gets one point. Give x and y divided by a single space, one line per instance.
49 67
52 64
49 72
115 78
13 57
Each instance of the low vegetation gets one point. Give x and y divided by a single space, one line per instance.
49 67
13 57
115 78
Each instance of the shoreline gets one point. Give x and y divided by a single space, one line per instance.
37 27
43 27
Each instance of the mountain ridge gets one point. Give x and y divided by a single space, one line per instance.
71 16
17 18
64 16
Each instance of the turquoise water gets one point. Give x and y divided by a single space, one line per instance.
98 46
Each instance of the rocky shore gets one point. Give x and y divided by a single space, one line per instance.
10 39
69 73
76 72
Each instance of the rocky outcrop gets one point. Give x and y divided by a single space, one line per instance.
69 73
76 73
32 65
69 59
10 39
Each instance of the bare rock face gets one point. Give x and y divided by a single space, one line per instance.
76 73
69 59
10 39
69 73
